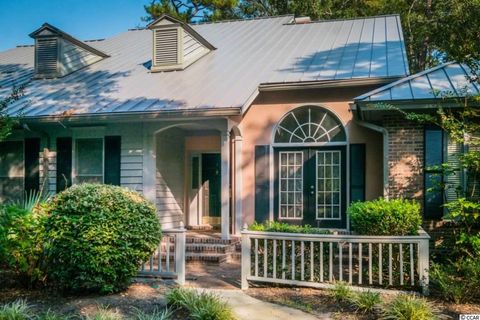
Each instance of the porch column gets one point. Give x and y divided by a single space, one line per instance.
238 185
225 171
149 166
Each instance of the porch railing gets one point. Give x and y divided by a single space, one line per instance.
319 260
168 261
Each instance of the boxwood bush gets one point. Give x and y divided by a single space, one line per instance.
385 217
97 236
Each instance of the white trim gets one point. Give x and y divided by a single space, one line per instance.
287 192
225 183
325 143
339 185
238 184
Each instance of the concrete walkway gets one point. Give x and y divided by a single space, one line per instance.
246 307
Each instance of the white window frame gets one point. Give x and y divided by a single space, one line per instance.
294 192
75 158
340 186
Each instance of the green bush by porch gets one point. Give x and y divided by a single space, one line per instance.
275 226
97 236
397 217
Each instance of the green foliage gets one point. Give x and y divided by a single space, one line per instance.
6 121
157 314
188 11
21 241
341 292
381 217
200 305
366 302
97 236
457 281
17 310
275 226
50 315
409 307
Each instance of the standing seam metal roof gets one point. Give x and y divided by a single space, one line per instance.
249 53
446 80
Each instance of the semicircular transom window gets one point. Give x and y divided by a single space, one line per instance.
310 124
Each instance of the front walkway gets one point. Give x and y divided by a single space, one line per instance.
246 307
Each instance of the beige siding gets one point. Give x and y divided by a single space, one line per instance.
192 48
73 58
170 177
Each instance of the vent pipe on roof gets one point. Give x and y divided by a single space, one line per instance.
302 20
58 54
176 45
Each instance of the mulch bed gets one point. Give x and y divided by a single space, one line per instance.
317 302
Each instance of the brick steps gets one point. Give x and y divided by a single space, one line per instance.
205 248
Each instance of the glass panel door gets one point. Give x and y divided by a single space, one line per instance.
291 185
310 186
328 182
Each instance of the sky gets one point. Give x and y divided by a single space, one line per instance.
83 19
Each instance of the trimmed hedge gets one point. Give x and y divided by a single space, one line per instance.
382 217
97 236
275 226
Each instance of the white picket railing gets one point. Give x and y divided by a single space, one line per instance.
168 261
318 260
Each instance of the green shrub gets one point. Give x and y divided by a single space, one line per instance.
366 301
341 292
17 310
164 314
381 217
200 305
98 236
275 226
457 281
409 307
21 241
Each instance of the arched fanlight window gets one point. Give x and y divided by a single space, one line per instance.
310 124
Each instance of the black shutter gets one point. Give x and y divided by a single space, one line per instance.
64 163
262 183
113 146
32 166
357 172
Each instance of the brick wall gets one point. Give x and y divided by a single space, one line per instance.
405 158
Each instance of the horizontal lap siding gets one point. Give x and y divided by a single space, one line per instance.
170 178
131 162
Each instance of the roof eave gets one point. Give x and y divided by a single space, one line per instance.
143 116
326 83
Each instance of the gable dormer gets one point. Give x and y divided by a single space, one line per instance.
175 44
58 53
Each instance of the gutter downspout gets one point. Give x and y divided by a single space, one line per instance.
384 133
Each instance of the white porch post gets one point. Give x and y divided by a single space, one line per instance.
149 166
225 172
238 185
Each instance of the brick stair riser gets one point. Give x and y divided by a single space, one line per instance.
209 249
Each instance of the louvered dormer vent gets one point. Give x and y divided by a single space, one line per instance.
46 57
58 53
175 44
166 47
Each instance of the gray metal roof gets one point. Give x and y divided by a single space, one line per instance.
250 53
446 80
